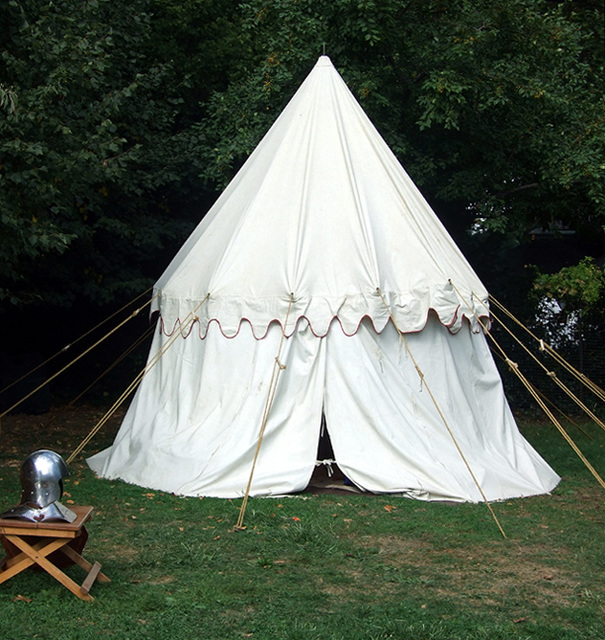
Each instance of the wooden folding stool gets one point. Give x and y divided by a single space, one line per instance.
32 543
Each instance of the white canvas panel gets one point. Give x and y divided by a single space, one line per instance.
193 426
388 436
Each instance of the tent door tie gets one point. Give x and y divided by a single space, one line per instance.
328 464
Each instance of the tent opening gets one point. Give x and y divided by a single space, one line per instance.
327 474
325 452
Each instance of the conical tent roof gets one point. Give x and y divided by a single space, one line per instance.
322 209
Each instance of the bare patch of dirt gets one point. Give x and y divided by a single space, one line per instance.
123 552
160 580
480 575
341 589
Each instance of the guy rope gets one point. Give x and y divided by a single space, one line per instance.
185 324
441 414
514 367
67 366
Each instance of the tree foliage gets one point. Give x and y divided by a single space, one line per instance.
580 286
119 122
90 150
496 108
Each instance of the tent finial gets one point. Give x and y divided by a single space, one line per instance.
323 44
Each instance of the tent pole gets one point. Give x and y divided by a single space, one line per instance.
278 367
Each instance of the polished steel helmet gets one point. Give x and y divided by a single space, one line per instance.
42 476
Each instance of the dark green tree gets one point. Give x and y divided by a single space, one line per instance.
120 122
95 161
496 108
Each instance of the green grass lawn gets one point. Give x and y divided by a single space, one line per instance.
317 566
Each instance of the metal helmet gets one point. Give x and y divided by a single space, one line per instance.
42 476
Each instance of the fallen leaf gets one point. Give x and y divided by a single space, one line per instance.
296 519
389 507
519 620
21 598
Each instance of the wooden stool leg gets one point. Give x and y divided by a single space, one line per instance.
9 561
25 559
82 562
91 577
39 558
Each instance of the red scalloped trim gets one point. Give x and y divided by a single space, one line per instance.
177 323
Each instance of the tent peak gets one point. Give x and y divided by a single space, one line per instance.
324 61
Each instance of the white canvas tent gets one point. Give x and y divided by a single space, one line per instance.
319 252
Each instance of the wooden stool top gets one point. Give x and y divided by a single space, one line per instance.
52 528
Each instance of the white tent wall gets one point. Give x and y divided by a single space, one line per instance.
388 435
193 426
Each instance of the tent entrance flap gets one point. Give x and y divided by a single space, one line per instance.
388 436
192 428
